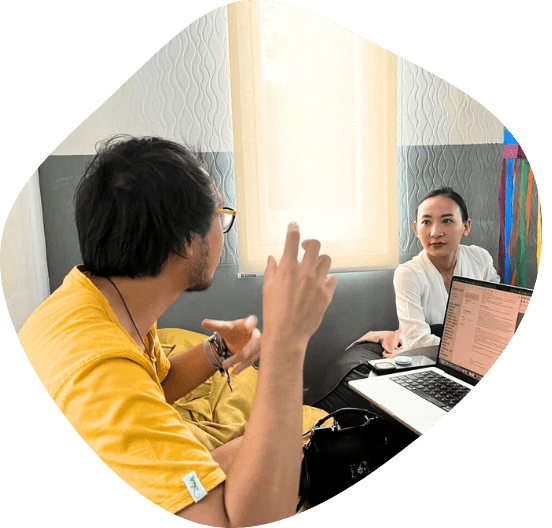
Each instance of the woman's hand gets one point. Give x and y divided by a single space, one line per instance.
391 343
243 339
390 340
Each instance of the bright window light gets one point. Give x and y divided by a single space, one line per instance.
314 118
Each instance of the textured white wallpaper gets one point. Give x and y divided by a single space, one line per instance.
433 112
182 93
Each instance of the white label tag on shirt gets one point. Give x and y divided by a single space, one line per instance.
194 485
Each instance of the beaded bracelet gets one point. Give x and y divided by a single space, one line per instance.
216 351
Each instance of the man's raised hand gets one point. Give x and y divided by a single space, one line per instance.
296 294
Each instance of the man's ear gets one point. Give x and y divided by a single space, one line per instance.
467 227
187 250
415 228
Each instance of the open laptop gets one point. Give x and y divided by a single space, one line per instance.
480 319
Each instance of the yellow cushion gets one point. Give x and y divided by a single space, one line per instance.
215 414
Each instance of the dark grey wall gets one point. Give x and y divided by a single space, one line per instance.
59 176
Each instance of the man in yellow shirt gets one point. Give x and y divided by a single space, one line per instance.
150 224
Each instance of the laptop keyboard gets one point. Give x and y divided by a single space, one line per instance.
437 389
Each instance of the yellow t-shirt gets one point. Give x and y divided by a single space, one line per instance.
111 393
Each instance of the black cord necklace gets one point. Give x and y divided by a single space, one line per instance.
132 319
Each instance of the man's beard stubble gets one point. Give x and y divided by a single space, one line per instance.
200 279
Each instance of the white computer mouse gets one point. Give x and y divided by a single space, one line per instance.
403 360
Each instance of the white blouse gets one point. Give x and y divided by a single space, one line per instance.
421 296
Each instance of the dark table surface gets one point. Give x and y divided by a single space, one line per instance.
429 352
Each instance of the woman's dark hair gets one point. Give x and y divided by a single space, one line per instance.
140 200
449 193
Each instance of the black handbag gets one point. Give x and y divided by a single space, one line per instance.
336 457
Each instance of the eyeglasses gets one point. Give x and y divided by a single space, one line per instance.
227 217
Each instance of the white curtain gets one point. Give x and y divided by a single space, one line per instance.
315 137
23 255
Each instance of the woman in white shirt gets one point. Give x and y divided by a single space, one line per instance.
422 284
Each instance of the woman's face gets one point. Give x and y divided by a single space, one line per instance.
439 226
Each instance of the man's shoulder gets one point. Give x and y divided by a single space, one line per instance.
71 308
72 329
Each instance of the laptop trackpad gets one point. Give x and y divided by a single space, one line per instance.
418 415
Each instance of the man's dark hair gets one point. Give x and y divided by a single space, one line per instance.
140 200
449 193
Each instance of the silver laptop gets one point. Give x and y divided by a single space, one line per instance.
480 319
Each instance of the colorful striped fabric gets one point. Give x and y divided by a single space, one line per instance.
514 200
